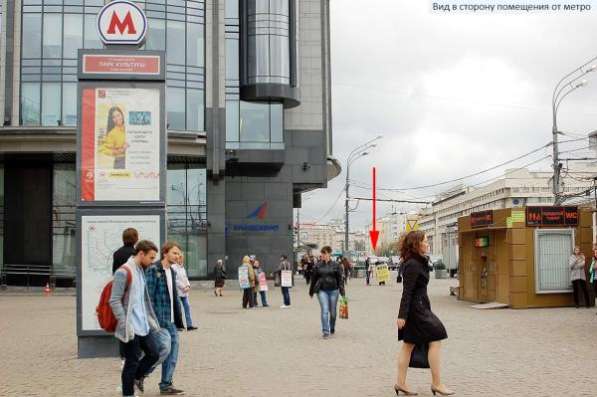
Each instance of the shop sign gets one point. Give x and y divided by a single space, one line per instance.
115 64
551 216
483 218
482 242
121 22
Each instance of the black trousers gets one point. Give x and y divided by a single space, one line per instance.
135 368
248 298
578 286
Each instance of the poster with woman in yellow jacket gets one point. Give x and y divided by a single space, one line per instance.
114 144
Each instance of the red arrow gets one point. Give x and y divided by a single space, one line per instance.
374 234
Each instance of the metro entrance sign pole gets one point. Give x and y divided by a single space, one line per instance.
121 158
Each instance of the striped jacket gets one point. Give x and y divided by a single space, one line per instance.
160 298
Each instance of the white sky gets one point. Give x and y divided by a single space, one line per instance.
451 94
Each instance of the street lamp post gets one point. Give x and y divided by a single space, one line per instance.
355 154
563 88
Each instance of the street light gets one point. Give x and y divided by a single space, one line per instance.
563 88
357 153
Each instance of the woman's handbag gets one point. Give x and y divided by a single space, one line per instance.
343 307
418 358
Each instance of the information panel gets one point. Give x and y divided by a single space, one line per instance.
120 144
101 235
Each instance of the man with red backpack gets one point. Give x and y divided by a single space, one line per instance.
131 305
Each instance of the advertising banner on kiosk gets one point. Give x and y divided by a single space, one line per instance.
121 170
120 144
122 128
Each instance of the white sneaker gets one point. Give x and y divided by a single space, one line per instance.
284 307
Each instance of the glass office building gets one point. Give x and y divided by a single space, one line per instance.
248 122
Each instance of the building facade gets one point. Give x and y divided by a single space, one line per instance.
518 188
248 104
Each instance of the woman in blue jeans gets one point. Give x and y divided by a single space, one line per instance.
327 281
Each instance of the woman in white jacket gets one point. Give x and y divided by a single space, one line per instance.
183 287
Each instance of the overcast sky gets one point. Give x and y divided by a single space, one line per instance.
451 94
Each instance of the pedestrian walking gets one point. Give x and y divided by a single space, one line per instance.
347 266
327 281
219 277
135 317
130 236
183 286
417 325
368 271
261 283
593 271
161 285
284 266
246 280
577 276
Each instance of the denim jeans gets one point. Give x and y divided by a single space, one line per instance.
263 298
163 341
187 311
169 365
328 300
133 367
286 295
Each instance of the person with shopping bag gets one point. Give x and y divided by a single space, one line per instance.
418 328
327 281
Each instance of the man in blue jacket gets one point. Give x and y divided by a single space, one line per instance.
161 285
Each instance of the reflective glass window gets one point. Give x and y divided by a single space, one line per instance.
176 42
92 39
187 215
232 121
254 122
69 103
52 36
54 30
277 122
195 108
232 59
156 35
50 104
73 35
32 36
63 219
195 42
175 102
30 104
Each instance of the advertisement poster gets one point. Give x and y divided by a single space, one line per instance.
286 278
262 281
120 150
100 237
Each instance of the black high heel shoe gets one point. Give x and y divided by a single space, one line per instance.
398 389
441 393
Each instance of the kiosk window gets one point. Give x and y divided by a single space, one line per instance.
553 247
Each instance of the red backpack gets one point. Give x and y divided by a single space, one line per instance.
105 316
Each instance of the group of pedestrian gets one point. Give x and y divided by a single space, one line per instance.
252 279
578 276
148 296
146 299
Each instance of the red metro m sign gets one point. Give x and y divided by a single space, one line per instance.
121 22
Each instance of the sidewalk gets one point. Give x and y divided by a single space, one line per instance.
275 352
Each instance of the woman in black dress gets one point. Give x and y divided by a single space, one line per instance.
417 325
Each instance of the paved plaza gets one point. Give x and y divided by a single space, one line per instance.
276 352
